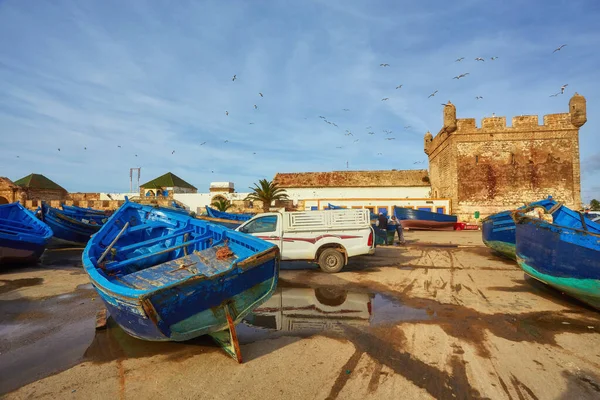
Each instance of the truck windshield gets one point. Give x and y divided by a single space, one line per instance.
262 224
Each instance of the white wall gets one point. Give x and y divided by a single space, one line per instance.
413 192
197 201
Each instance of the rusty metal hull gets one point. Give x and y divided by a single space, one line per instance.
163 275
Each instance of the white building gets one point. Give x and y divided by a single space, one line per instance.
375 190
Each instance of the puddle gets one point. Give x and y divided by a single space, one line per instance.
10 285
302 311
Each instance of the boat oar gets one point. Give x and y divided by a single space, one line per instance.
110 246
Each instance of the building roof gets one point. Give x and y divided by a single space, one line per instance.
7 183
386 178
167 180
38 181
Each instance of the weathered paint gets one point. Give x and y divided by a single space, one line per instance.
181 294
504 248
23 237
562 254
66 228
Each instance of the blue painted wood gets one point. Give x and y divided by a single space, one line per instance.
564 254
81 210
155 293
410 214
225 215
332 207
23 237
69 228
498 230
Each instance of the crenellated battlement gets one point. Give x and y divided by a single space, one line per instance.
571 120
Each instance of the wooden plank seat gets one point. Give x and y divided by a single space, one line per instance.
13 222
199 263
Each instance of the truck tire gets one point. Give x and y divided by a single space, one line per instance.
331 261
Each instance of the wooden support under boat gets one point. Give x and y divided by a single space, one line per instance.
228 339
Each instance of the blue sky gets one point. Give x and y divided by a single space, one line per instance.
156 76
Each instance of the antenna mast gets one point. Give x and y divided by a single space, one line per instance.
131 179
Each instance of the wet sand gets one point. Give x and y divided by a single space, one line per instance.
442 317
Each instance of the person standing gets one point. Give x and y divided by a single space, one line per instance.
383 223
399 229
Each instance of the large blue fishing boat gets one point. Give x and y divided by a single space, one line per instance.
167 276
71 228
81 210
498 230
23 237
561 249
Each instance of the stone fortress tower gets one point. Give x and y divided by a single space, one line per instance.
496 167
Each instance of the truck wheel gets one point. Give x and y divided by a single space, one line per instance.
331 260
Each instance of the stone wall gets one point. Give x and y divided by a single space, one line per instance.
497 167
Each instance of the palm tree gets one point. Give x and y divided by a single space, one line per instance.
222 204
266 192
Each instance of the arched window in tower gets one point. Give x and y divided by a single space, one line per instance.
476 159
512 158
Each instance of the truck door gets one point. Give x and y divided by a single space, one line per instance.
267 228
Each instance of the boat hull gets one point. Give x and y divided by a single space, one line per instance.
67 230
403 214
566 259
20 253
427 225
199 313
239 218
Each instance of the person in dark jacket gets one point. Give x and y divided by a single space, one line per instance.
382 225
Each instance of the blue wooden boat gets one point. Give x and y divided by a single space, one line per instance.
23 237
564 253
498 230
420 219
332 207
166 276
212 213
81 210
70 228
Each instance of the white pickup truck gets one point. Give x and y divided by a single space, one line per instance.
327 237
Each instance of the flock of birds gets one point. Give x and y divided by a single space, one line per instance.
386 132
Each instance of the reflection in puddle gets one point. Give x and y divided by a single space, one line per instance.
305 311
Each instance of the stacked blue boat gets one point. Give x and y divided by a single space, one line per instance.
23 238
498 230
72 225
164 275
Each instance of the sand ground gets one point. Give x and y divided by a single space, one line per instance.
446 319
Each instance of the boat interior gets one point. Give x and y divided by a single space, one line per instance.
13 220
150 249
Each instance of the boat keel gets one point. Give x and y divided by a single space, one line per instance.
227 338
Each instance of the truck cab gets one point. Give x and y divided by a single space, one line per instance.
327 237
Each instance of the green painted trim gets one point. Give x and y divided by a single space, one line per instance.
506 249
586 290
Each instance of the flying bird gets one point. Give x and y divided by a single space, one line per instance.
261 95
563 87
368 127
348 134
384 65
202 144
250 123
478 97
173 152
254 153
119 146
390 138
136 155
559 47
234 78
334 124
338 147
371 133
255 107
226 141
479 59
418 162
379 154
399 87
493 58
385 99
18 157
356 140
59 149
555 94
320 116
407 127
446 104
226 112
432 94
346 109
85 148
459 59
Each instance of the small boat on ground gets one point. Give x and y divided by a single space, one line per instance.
212 213
71 227
420 219
23 237
166 276
561 249
498 230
